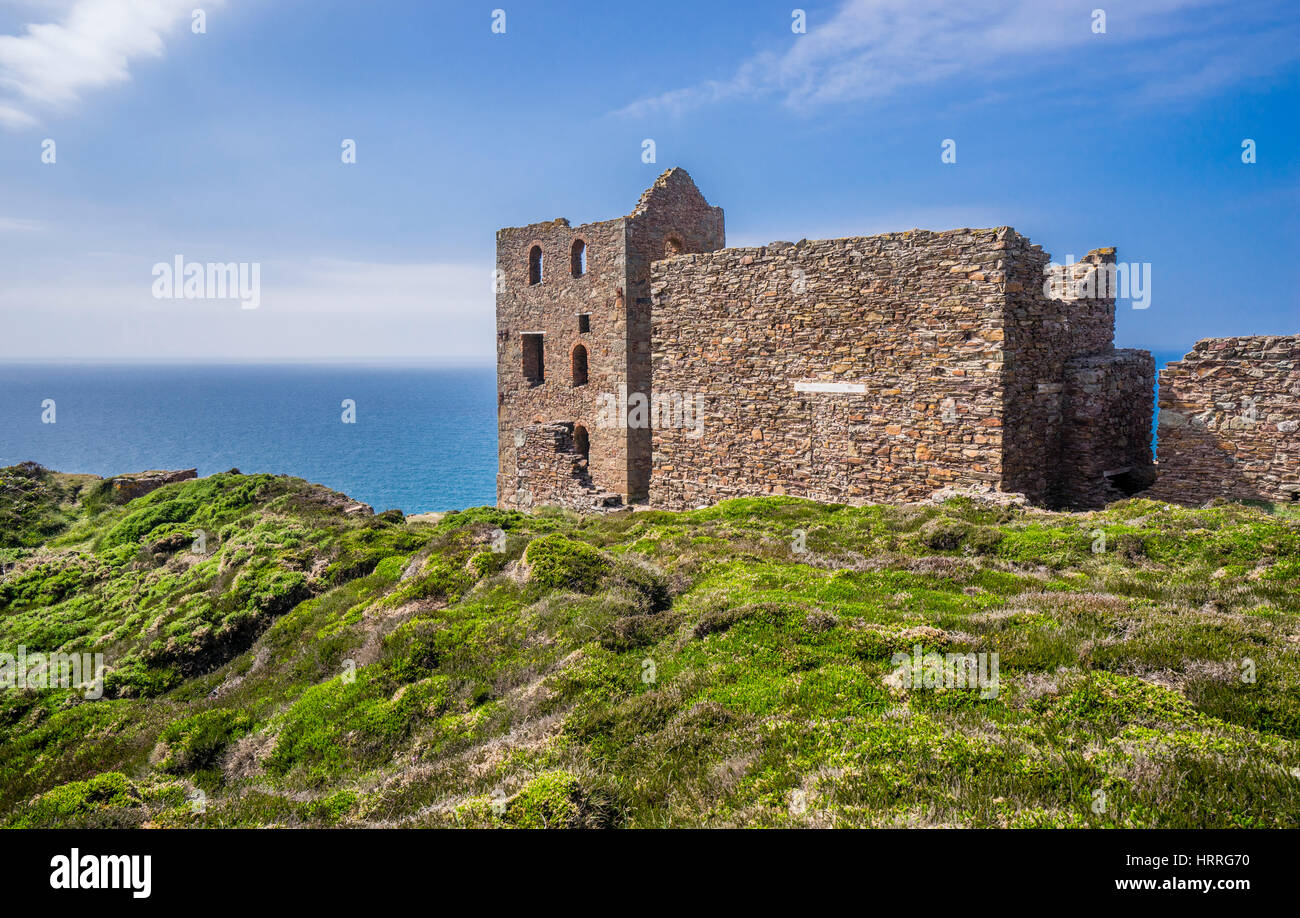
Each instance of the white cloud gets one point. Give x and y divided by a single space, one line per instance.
15 118
872 49
444 290
50 65
19 225
101 306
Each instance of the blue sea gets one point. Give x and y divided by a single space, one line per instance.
1162 358
424 437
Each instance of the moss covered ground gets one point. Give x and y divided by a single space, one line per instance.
296 665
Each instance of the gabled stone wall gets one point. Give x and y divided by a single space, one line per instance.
614 294
1229 422
672 216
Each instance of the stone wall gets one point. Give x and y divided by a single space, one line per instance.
1043 334
671 217
552 308
552 471
864 369
901 332
614 293
1229 422
1105 452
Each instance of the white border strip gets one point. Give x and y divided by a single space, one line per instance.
829 387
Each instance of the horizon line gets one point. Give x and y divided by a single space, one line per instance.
487 361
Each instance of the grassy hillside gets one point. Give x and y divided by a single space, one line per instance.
644 669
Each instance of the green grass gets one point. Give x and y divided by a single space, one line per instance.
722 667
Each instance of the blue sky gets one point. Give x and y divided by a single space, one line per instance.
225 146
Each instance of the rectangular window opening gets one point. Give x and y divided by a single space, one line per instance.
534 365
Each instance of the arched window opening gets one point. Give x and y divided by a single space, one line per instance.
579 366
578 258
581 442
535 265
673 246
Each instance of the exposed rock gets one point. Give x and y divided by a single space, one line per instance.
137 484
988 496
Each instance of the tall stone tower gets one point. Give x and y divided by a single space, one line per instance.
573 339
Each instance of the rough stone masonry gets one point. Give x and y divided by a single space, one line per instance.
1229 423
638 358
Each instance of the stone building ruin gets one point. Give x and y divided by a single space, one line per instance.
639 361
1229 423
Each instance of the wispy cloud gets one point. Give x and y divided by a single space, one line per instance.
311 308
92 45
873 49
354 288
19 225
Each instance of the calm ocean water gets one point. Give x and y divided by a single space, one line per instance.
424 438
1162 358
